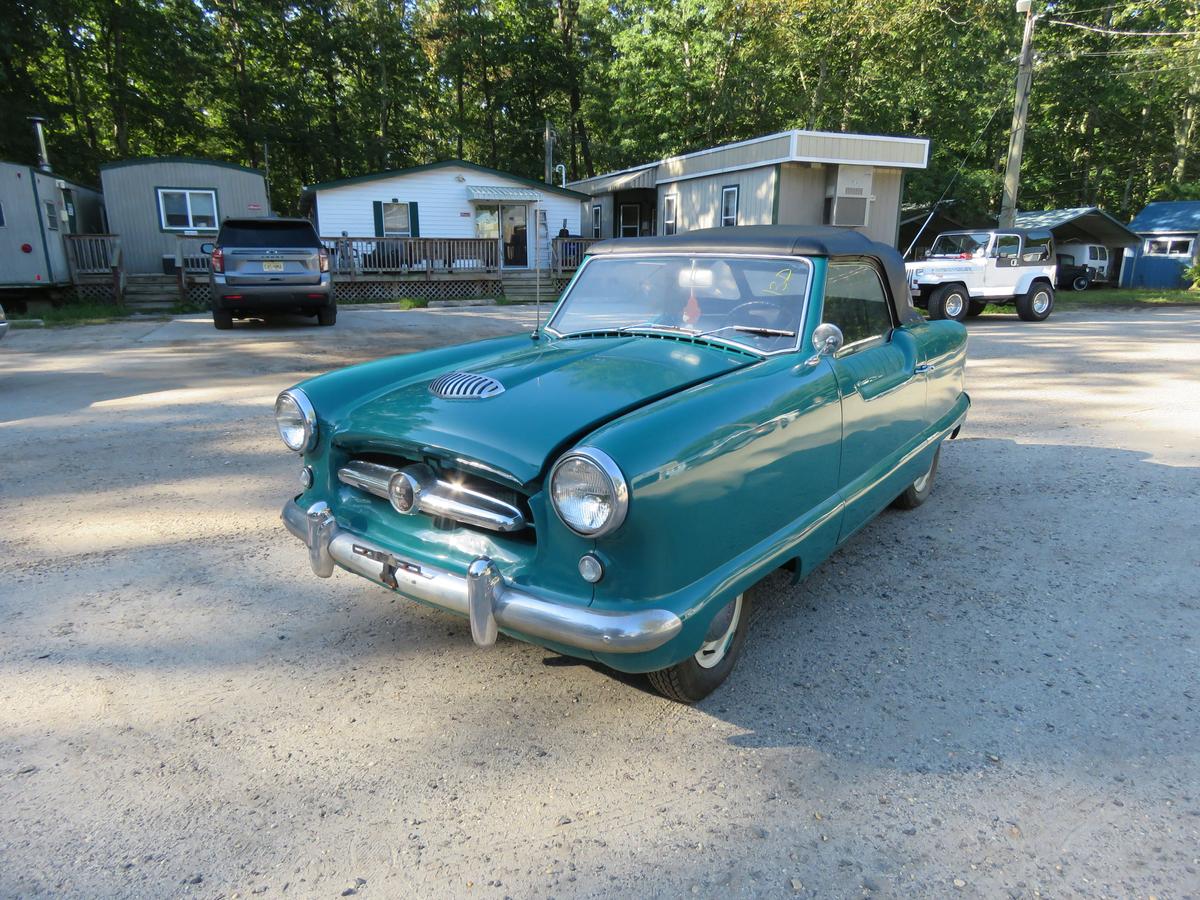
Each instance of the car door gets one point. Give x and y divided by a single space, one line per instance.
1003 270
880 378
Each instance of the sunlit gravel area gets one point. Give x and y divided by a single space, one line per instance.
997 694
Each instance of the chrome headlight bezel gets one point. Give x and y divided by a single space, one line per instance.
307 416
611 475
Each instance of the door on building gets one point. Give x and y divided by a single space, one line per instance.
631 220
508 222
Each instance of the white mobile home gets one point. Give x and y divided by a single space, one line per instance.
448 199
38 209
789 178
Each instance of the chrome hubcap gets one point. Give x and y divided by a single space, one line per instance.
1041 302
923 482
954 306
712 652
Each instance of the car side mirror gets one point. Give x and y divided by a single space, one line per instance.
207 247
827 339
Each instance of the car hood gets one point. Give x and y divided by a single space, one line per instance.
555 392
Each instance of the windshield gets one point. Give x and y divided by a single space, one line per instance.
961 244
267 233
757 302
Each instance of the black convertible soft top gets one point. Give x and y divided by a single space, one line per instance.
775 240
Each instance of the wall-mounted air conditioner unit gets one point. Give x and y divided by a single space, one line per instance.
848 195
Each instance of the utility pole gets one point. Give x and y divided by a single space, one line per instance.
1016 140
549 151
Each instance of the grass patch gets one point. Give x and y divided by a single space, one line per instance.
1116 298
1110 298
76 314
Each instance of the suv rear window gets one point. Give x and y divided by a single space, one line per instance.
267 234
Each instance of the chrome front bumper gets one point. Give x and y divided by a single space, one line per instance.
481 594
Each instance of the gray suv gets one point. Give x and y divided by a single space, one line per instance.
269 264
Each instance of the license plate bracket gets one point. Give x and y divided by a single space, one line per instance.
272 265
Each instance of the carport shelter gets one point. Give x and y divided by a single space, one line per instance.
1082 225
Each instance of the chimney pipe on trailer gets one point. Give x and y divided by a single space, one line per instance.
43 162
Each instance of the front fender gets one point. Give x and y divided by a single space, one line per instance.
723 478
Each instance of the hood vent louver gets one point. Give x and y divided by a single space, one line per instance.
465 386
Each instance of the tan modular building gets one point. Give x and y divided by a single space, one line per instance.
790 178
155 203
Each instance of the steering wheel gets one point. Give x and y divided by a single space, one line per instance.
748 309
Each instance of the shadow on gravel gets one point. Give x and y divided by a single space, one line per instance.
1038 616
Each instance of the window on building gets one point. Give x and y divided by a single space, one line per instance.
856 302
1169 247
186 209
396 222
670 210
596 221
729 205
51 216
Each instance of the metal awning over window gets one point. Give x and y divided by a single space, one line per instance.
494 192
644 177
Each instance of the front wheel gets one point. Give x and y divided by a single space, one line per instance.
1037 302
918 492
950 301
702 673
1081 283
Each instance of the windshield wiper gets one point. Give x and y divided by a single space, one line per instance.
751 329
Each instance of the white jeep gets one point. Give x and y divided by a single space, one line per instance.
964 271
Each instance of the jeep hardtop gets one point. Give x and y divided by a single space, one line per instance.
964 271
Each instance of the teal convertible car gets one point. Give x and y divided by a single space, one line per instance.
697 411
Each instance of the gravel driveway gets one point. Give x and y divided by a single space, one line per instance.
995 694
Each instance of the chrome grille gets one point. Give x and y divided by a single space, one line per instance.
465 386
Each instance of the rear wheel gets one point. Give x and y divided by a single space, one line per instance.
326 315
702 673
222 319
918 492
975 308
1037 303
950 301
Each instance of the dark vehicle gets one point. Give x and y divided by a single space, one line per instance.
269 264
3 323
1077 278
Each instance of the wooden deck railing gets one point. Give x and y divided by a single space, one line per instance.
359 256
92 254
96 258
567 253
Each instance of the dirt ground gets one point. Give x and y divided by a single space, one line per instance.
996 694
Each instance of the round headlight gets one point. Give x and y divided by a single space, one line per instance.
296 420
588 492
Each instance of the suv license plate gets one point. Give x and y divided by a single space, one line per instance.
272 266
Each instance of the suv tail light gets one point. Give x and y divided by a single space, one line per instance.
218 260
323 254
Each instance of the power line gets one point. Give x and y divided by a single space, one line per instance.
1100 30
1076 12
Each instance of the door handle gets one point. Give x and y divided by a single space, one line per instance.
923 369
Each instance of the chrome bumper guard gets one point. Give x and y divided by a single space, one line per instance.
482 595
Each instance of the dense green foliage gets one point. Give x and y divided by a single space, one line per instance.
333 88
